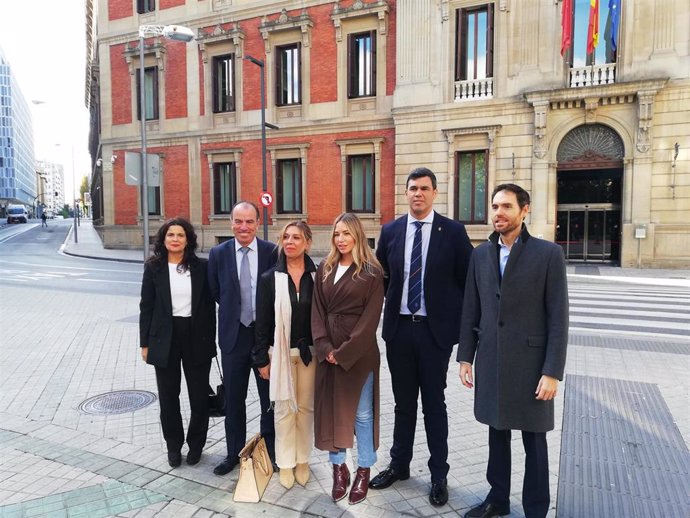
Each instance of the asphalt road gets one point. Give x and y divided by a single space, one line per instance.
30 257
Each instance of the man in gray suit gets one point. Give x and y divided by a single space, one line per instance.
514 329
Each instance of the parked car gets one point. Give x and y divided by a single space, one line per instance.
17 214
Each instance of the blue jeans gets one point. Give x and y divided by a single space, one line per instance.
364 429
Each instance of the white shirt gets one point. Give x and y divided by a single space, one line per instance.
504 254
253 256
339 272
409 240
180 291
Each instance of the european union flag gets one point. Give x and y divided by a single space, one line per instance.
614 17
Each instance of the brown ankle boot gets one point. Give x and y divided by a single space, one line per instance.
341 481
360 486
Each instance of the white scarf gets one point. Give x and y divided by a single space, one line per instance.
282 387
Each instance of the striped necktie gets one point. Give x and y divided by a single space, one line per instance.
414 285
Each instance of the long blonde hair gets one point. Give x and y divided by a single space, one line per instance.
362 255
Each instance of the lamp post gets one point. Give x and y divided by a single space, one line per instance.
264 124
75 190
174 33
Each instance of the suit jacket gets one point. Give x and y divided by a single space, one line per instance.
155 314
444 276
225 286
514 330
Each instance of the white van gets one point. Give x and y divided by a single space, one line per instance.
17 214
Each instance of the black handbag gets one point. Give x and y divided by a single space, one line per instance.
216 400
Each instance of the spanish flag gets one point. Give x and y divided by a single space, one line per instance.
593 28
566 25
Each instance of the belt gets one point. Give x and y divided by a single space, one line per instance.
413 318
249 326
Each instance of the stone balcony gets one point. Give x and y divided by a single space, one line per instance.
474 89
594 75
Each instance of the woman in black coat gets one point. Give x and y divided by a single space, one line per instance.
177 325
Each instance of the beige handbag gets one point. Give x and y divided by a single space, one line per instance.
256 469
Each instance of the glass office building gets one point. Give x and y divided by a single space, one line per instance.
17 174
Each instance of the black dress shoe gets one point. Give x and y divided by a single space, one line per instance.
193 457
174 458
487 510
388 476
226 466
439 493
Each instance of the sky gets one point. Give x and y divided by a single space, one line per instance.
45 43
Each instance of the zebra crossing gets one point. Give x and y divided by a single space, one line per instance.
636 309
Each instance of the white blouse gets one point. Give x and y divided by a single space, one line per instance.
180 291
340 272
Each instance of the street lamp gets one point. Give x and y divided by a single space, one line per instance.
264 124
174 33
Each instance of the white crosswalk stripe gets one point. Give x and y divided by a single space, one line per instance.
662 311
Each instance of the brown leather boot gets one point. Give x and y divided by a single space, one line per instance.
341 481
360 486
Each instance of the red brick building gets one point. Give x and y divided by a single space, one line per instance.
330 76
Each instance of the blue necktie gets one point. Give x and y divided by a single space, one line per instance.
414 285
246 309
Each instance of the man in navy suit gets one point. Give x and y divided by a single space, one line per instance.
425 258
236 326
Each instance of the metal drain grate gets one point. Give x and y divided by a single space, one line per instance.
118 402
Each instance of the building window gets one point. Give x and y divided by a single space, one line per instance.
224 83
289 186
288 82
360 183
361 60
146 6
154 200
474 43
151 90
471 182
224 187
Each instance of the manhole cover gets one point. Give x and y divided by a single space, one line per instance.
118 402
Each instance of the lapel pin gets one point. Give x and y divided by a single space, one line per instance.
439 229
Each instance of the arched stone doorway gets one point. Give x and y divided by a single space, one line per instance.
589 193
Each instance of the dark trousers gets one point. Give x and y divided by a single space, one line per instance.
535 487
236 368
169 379
418 365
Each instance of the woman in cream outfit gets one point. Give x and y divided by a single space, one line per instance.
283 325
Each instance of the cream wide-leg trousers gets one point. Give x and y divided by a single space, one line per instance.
295 430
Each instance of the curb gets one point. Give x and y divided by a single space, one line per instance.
64 249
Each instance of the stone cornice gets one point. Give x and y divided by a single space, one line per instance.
131 53
284 22
379 8
589 92
233 34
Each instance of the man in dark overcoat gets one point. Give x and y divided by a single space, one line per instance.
515 331
234 268
424 256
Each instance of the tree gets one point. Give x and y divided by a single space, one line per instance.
65 211
83 188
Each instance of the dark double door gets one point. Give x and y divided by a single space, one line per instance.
588 221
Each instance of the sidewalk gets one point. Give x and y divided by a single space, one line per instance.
58 460
90 245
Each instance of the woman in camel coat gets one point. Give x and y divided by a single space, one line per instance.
348 296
